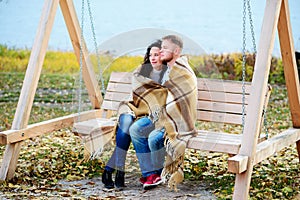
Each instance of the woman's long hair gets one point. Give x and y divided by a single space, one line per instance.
147 68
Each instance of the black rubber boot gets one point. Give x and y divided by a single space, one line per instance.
120 179
107 179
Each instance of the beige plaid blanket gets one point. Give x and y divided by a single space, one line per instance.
172 106
179 117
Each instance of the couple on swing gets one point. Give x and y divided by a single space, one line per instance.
160 118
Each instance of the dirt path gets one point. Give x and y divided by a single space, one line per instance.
93 189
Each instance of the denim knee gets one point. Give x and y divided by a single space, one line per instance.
141 128
156 139
125 121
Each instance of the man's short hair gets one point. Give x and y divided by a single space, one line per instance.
174 39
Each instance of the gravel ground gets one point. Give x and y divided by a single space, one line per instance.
94 189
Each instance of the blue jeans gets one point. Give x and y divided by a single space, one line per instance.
117 160
149 146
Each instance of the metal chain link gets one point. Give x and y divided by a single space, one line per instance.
251 26
247 5
244 65
96 47
80 59
265 121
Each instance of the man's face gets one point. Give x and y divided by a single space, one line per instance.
167 50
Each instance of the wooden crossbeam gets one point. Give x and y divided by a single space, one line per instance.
265 149
37 129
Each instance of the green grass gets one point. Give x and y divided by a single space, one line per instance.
225 66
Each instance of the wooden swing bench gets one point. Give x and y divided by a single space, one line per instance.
218 101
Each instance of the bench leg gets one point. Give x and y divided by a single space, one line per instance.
9 161
242 184
298 148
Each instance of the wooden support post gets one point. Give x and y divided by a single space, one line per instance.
289 62
32 75
256 99
290 65
89 77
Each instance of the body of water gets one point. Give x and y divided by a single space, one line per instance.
216 26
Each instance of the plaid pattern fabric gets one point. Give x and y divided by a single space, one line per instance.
172 106
179 117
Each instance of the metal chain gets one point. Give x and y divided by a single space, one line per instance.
265 121
247 4
251 26
244 65
96 47
80 59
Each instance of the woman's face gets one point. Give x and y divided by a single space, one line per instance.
154 57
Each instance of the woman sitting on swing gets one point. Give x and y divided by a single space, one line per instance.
152 69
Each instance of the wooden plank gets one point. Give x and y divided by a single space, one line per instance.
237 164
219 107
37 129
216 142
85 127
121 77
11 150
269 147
221 97
222 85
116 96
119 87
289 62
110 105
256 99
236 138
219 117
89 77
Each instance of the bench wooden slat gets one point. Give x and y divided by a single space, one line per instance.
121 77
110 105
116 96
224 86
85 127
219 117
221 97
119 87
216 142
219 107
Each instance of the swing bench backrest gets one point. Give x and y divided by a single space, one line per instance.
218 101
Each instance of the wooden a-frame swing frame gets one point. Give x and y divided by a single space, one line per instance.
276 16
